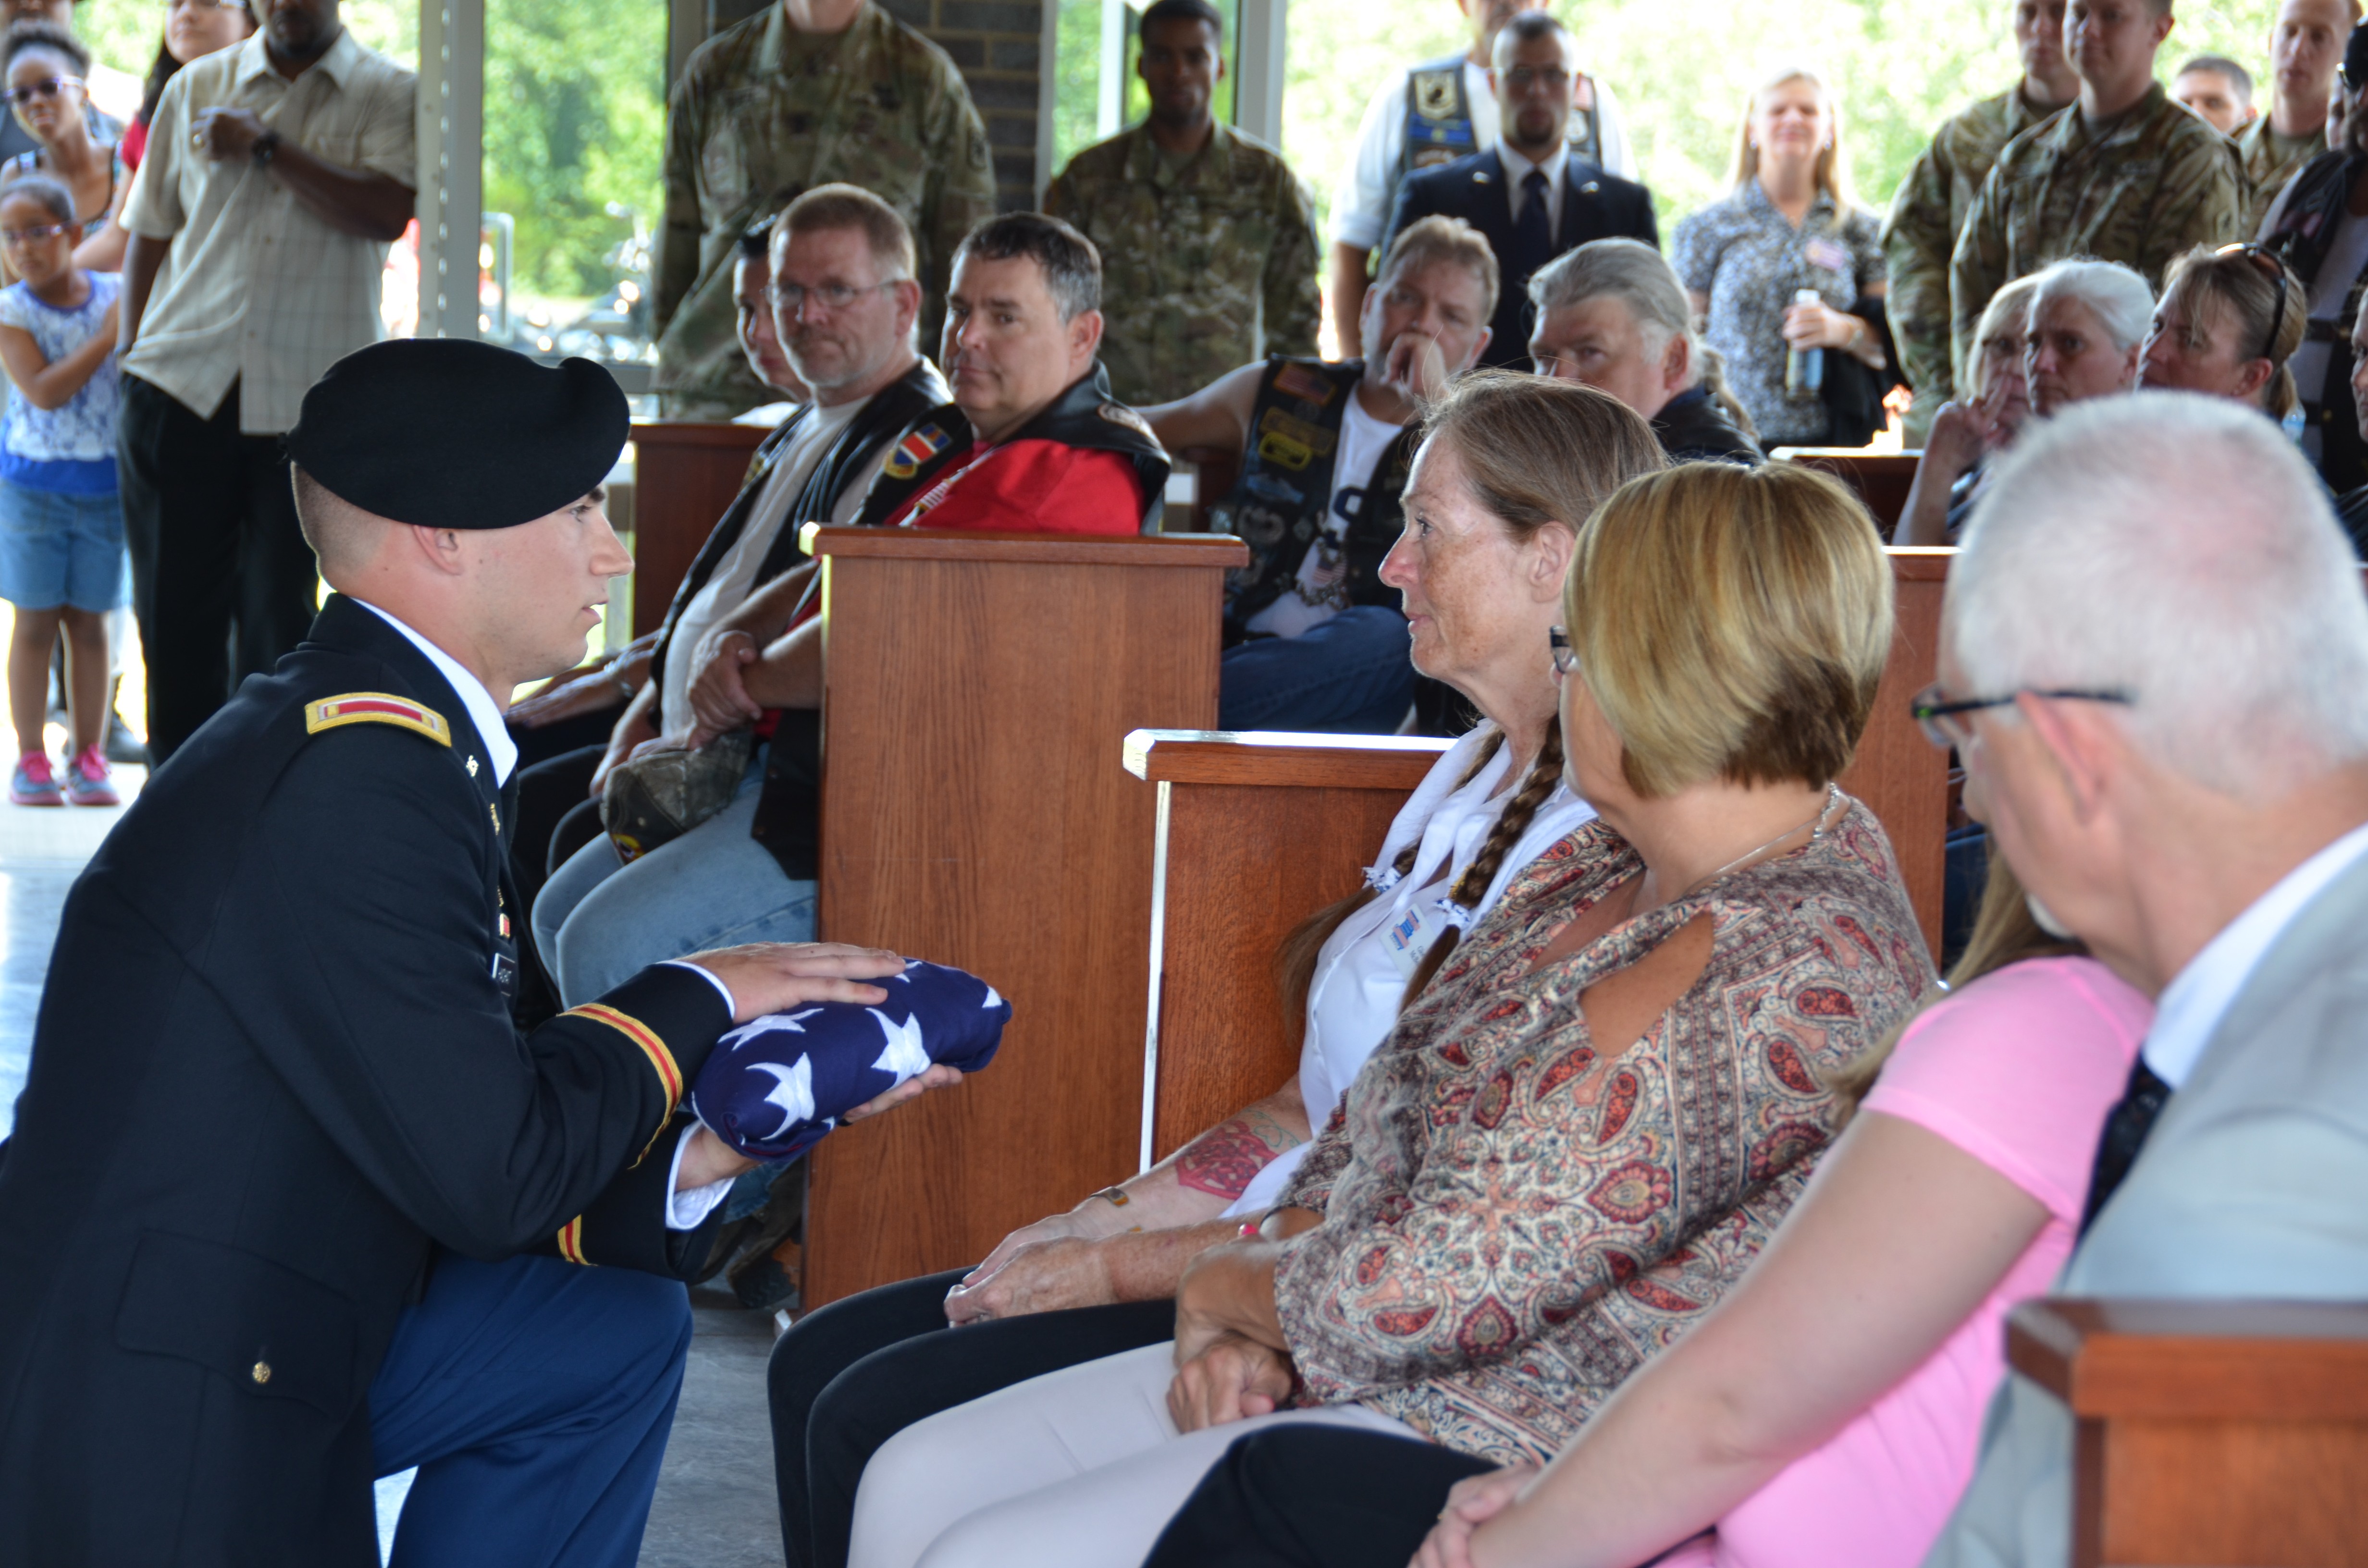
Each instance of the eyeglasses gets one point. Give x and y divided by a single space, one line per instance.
2269 258
792 296
1936 713
1522 78
31 236
47 87
1565 657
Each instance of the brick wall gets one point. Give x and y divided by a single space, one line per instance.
996 43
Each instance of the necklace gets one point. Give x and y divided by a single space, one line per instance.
1816 824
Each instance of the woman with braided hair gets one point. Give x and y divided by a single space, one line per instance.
1510 466
1581 1132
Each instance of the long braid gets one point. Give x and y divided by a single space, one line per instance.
1511 824
1294 959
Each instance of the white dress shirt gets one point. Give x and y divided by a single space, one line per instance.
2199 996
1361 211
1516 175
256 289
687 1209
1363 969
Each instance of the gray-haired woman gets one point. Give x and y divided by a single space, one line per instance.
1611 313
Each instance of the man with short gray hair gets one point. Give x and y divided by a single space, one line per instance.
1614 314
2152 658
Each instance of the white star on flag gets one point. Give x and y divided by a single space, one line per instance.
992 999
904 1057
786 1023
794 1092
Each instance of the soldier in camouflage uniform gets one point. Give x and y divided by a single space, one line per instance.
765 111
2124 174
1929 206
1208 242
2306 45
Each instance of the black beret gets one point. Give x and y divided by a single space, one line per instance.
450 433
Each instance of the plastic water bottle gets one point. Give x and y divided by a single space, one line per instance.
1805 368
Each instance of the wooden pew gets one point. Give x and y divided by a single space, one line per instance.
1255 832
2208 1432
974 814
685 474
1881 479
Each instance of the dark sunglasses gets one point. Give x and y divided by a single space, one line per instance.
47 87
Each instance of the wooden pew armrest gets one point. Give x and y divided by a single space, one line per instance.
1054 549
1275 758
2196 1359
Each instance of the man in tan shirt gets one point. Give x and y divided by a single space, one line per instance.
276 175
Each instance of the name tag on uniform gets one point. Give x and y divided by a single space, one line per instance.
1412 935
1827 254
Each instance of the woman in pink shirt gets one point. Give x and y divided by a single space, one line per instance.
1828 1410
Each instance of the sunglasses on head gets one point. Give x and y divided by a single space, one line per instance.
2263 256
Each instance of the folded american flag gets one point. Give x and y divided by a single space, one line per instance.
776 1085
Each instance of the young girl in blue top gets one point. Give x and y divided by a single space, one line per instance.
60 523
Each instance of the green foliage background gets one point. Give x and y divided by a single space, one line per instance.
1682 69
576 112
574 116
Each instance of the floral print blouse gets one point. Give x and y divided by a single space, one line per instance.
1750 260
1512 1221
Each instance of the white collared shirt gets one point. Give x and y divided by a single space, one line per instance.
485 713
257 289
685 1210
2199 996
1517 173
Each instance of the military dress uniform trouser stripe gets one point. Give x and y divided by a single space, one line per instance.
534 1397
222 580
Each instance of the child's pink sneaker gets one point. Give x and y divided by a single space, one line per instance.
33 784
87 783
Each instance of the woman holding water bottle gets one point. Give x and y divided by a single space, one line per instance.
1787 273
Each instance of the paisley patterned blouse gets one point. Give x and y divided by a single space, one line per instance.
1512 1222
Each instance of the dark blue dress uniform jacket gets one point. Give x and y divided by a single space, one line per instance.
274 1073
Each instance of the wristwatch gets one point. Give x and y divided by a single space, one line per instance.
265 145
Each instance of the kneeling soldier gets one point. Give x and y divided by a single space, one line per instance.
290 1202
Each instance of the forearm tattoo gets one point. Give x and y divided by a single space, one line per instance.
1223 1160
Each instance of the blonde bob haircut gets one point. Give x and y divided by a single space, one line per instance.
1833 171
1732 624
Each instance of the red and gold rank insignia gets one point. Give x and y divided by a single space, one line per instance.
376 707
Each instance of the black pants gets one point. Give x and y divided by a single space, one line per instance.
221 579
853 1375
1313 1497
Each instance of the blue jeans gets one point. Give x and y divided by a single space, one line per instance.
600 921
535 1397
1350 675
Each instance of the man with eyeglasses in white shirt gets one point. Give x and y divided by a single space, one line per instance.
2152 654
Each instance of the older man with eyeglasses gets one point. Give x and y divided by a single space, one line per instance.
830 303
2151 661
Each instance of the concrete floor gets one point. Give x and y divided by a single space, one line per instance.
715 1506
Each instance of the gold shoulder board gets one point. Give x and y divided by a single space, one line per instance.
376 707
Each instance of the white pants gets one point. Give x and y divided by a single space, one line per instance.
1077 1469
